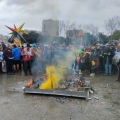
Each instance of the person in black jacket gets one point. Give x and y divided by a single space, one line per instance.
118 65
108 54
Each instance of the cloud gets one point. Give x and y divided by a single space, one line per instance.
19 2
32 12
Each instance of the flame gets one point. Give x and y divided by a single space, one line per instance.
54 75
30 83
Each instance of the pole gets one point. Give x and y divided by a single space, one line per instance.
81 38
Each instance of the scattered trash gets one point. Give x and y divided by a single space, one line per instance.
66 87
19 82
60 101
103 102
96 97
91 91
89 98
104 86
92 74
94 90
23 88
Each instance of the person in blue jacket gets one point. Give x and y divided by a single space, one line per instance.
16 52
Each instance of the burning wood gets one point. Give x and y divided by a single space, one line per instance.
30 83
44 77
68 82
68 86
68 78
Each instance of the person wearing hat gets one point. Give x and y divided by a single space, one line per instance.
108 54
27 54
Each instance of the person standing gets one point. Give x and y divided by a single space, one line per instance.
16 54
3 45
8 57
1 58
118 65
28 55
108 54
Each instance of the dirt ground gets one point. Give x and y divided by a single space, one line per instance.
15 105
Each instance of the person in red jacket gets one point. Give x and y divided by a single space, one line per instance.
28 55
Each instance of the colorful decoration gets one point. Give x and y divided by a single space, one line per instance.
16 34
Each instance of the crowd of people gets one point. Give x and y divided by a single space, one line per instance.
13 58
94 59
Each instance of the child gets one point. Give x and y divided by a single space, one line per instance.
93 67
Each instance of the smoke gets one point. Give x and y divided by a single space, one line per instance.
55 64
54 76
57 71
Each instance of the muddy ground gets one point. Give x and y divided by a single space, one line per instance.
15 105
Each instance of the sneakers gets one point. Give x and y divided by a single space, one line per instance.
118 80
75 72
92 74
107 74
80 72
10 73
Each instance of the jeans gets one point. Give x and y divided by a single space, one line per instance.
9 64
108 67
77 65
27 66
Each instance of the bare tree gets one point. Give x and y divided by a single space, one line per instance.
61 26
111 25
79 27
68 26
90 28
93 29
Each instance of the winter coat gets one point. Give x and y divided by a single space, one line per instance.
7 53
27 54
107 56
93 55
16 53
3 46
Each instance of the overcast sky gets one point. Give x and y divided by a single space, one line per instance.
32 12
